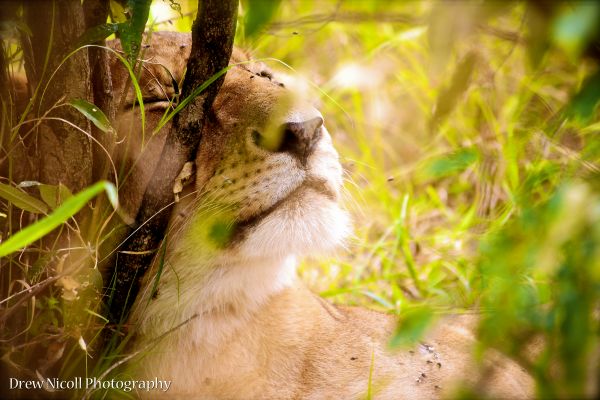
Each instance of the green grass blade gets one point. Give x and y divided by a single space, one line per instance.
191 97
22 200
69 208
161 266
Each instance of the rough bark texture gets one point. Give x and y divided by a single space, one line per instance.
14 161
65 153
5 105
96 13
212 42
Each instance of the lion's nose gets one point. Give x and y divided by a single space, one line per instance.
299 138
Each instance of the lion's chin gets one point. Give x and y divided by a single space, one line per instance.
308 223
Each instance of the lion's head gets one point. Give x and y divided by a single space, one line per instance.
268 178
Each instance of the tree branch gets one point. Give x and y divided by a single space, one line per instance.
212 42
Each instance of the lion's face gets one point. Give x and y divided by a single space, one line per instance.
268 178
268 160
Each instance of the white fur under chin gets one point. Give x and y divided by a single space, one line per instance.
314 229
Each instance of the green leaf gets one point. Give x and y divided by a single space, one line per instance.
220 232
575 26
412 325
96 34
22 200
54 195
117 11
132 30
583 104
378 299
93 113
449 96
260 12
69 208
450 164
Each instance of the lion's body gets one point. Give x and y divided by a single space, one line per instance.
232 318
297 346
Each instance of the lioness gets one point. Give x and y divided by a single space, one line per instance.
224 316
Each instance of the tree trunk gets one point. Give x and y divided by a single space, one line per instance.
64 152
96 13
212 42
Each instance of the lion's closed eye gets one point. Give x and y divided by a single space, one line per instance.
266 74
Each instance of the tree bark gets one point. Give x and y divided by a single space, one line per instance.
96 13
65 153
212 43
15 164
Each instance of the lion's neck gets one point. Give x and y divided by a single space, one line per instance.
242 287
216 298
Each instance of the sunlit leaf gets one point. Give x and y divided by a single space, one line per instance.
175 6
93 113
82 343
117 11
22 200
69 208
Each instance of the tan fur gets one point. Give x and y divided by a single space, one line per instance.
230 319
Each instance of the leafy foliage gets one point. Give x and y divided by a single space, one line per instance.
469 137
69 207
258 15
540 283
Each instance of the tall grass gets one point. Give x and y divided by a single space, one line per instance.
471 189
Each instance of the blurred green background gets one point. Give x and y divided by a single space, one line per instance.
469 136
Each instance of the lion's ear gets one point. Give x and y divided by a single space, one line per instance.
164 59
